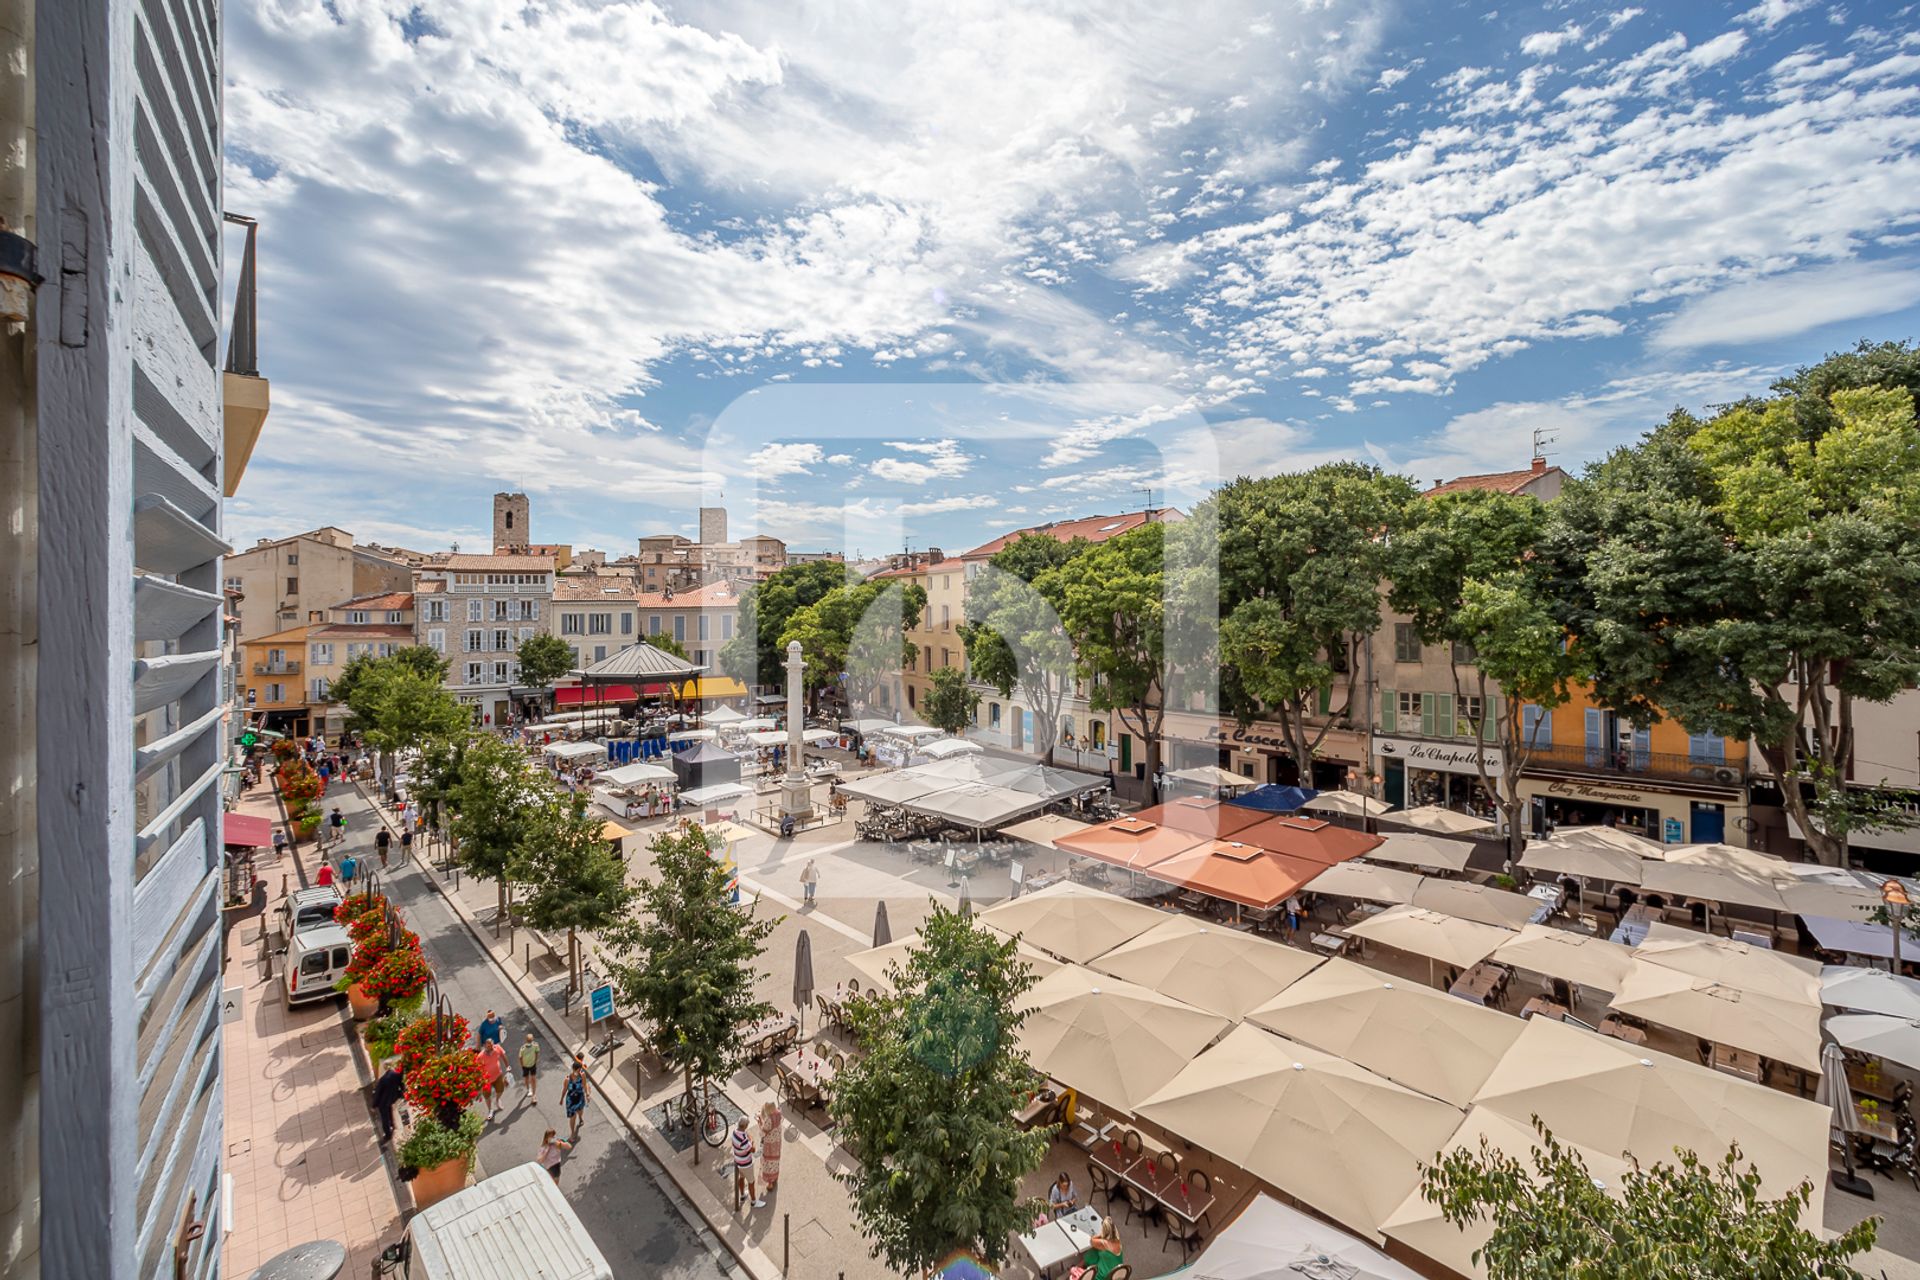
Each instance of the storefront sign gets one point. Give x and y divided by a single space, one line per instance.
1445 757
1247 736
1598 792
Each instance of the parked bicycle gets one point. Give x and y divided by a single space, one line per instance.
701 1116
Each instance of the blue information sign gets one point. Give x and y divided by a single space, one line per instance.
600 1003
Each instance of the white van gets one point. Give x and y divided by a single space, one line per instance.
316 959
304 908
513 1226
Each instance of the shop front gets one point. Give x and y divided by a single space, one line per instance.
1671 815
1259 752
1416 772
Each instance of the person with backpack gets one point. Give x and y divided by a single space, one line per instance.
573 1098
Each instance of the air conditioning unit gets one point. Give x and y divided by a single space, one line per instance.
1727 776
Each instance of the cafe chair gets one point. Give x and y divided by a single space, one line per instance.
826 1009
1186 1233
1100 1182
1138 1204
1167 1162
1122 1272
1133 1143
1199 1187
838 1059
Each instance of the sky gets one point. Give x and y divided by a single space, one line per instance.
886 273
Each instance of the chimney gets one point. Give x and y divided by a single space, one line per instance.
1539 465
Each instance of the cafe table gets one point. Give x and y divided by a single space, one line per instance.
1189 1208
755 1033
810 1067
1736 1062
1623 1031
1061 1240
1871 1080
1545 1007
1477 983
1331 943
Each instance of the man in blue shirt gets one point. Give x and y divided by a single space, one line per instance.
348 865
489 1029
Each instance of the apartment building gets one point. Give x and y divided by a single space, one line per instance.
373 626
700 621
917 670
273 680
285 581
596 615
475 610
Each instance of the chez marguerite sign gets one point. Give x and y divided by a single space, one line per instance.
1445 757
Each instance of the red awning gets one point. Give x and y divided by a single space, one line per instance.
602 695
245 831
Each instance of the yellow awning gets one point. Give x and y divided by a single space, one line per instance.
713 687
613 831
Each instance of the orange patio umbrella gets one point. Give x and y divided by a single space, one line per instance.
1314 839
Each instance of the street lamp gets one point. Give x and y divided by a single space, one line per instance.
1894 895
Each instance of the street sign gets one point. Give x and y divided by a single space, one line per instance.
233 1003
600 1003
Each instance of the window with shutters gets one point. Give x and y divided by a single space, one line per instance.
319 688
474 642
1536 726
526 634
679 628
1706 748
653 624
502 610
476 610
705 624
320 654
1406 643
1408 707
357 616
502 639
1469 720
600 624
573 624
437 640
1464 654
530 610
436 611
726 626
626 624
499 673
394 616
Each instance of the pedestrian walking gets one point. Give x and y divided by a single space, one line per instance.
573 1098
381 839
348 866
279 841
339 823
553 1150
1293 915
530 1066
743 1153
388 1090
493 1070
489 1030
325 876
406 843
771 1124
809 881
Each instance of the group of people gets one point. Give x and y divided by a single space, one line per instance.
1103 1253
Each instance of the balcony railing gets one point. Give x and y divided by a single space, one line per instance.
289 668
1623 762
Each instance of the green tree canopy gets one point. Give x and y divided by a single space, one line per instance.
399 702
686 960
495 802
755 654
949 704
1758 573
1681 1221
927 1110
578 881
857 630
1301 558
1113 604
1013 632
544 659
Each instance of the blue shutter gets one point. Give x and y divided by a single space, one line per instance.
1536 726
1642 748
1596 736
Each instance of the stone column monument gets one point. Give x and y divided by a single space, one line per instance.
796 793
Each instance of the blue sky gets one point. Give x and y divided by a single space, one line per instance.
897 270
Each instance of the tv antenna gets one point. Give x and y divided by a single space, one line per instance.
1149 492
1541 439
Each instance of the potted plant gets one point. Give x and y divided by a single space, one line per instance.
442 1084
420 1039
440 1155
400 975
368 952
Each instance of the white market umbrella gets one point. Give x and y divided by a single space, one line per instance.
724 715
1348 803
950 747
1896 1040
1781 1029
1369 883
1448 939
1833 1091
1869 991
1072 921
1611 838
1478 902
1207 965
1111 1039
1580 958
1272 1241
1737 964
754 724
1580 858
1445 822
1212 775
1416 849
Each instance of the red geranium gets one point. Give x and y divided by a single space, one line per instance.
400 975
369 952
449 1078
298 782
358 905
416 1040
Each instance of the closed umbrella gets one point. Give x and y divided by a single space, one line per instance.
803 975
1838 1094
1869 991
966 901
1894 1039
882 931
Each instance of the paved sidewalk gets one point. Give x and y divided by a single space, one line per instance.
301 1151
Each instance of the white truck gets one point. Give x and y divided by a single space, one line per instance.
314 949
513 1226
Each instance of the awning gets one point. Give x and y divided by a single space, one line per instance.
718 793
713 687
767 737
633 775
613 831
245 831
574 750
573 695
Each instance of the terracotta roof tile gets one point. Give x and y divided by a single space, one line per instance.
1092 528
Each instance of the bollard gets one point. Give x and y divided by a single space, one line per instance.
786 1242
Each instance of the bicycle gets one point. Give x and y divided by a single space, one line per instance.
704 1119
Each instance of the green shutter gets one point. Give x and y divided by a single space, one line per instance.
1426 715
1326 699
1388 708
1443 716
1488 720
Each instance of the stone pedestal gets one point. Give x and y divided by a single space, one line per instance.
796 792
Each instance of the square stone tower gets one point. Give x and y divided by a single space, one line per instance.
511 531
713 525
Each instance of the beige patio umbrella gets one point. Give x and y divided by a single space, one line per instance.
1448 939
873 963
1072 921
1409 1033
1348 803
1611 838
1783 1030
1363 880
1582 858
1326 1131
1415 849
1109 1038
1044 829
1737 964
1610 1096
1718 873
1478 902
1207 966
1417 1223
1580 958
1445 822
1830 892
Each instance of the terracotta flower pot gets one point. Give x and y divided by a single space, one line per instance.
363 1004
431 1186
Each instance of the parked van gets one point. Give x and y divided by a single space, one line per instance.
513 1226
304 908
316 959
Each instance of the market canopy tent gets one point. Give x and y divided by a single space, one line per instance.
1417 1223
1579 958
1348 803
950 747
1409 1033
1274 799
724 715
1367 882
636 774
1869 991
1109 1038
716 793
818 737
692 735
1781 1029
1738 964
1412 849
1209 967
767 737
982 806
1236 872
1314 839
1130 843
909 732
703 765
574 750
1444 822
1072 921
1272 1241
867 726
1603 1093
1477 902
1202 816
1448 939
1328 1132
1043 829
1582 858
755 724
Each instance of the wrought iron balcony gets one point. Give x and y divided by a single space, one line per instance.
1624 762
289 668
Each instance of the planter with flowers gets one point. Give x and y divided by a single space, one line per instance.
443 1084
428 1037
440 1156
370 950
400 975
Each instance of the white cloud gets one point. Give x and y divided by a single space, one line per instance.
774 460
1769 14
1544 44
1781 306
943 460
